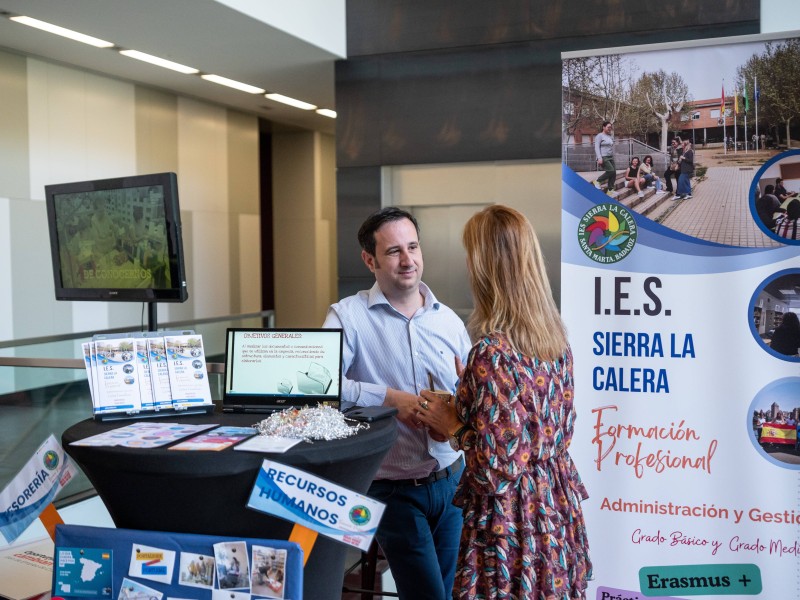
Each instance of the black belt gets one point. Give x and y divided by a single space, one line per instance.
432 478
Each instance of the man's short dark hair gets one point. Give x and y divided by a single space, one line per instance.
778 180
769 189
366 235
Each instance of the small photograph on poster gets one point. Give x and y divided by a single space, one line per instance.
775 418
133 590
774 313
197 570
269 572
775 202
233 566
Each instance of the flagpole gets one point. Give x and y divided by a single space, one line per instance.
735 118
755 93
724 123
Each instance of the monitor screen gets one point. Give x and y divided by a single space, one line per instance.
274 369
117 239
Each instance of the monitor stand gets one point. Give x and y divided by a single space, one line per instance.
152 316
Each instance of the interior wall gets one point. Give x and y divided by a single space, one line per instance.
304 227
528 186
62 124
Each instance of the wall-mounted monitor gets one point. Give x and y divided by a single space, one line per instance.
117 239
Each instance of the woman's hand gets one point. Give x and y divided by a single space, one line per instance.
438 414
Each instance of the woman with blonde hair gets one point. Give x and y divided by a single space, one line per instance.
524 535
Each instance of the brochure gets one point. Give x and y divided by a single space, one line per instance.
159 373
143 372
268 443
186 364
26 570
216 439
117 389
150 434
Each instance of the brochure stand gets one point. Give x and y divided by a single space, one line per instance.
146 375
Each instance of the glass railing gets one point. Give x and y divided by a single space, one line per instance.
44 390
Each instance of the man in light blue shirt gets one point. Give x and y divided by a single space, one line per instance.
396 336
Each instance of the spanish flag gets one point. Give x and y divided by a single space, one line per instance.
778 433
722 102
736 103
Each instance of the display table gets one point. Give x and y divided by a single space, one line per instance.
207 492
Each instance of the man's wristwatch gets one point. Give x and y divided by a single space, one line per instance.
455 437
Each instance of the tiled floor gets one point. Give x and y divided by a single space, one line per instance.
719 210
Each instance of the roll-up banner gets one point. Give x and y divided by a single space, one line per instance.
681 290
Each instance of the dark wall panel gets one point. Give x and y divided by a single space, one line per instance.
468 81
453 106
391 26
358 196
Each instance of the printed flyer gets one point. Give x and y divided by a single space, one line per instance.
680 292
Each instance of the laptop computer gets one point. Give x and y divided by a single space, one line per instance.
275 369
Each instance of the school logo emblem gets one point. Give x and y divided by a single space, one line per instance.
50 460
360 515
607 233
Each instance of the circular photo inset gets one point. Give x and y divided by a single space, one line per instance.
195 352
197 364
774 310
128 368
129 380
775 197
773 422
199 375
127 356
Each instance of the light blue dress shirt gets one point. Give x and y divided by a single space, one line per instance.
385 349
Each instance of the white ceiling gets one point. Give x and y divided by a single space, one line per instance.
203 34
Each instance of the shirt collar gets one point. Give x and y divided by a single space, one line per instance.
376 297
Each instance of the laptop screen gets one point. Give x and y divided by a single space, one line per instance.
274 369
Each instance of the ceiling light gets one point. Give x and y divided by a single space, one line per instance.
67 33
160 62
789 292
290 101
326 112
237 85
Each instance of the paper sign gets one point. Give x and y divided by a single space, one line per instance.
315 503
151 563
33 488
84 572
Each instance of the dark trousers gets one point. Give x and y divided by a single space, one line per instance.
668 175
610 175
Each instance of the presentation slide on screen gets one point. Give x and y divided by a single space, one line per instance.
687 378
284 363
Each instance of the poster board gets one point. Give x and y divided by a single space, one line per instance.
672 323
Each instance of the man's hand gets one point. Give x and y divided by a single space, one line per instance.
406 405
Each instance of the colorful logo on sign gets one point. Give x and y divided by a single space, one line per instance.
607 233
50 460
360 515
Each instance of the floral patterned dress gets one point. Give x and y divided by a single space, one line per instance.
524 535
